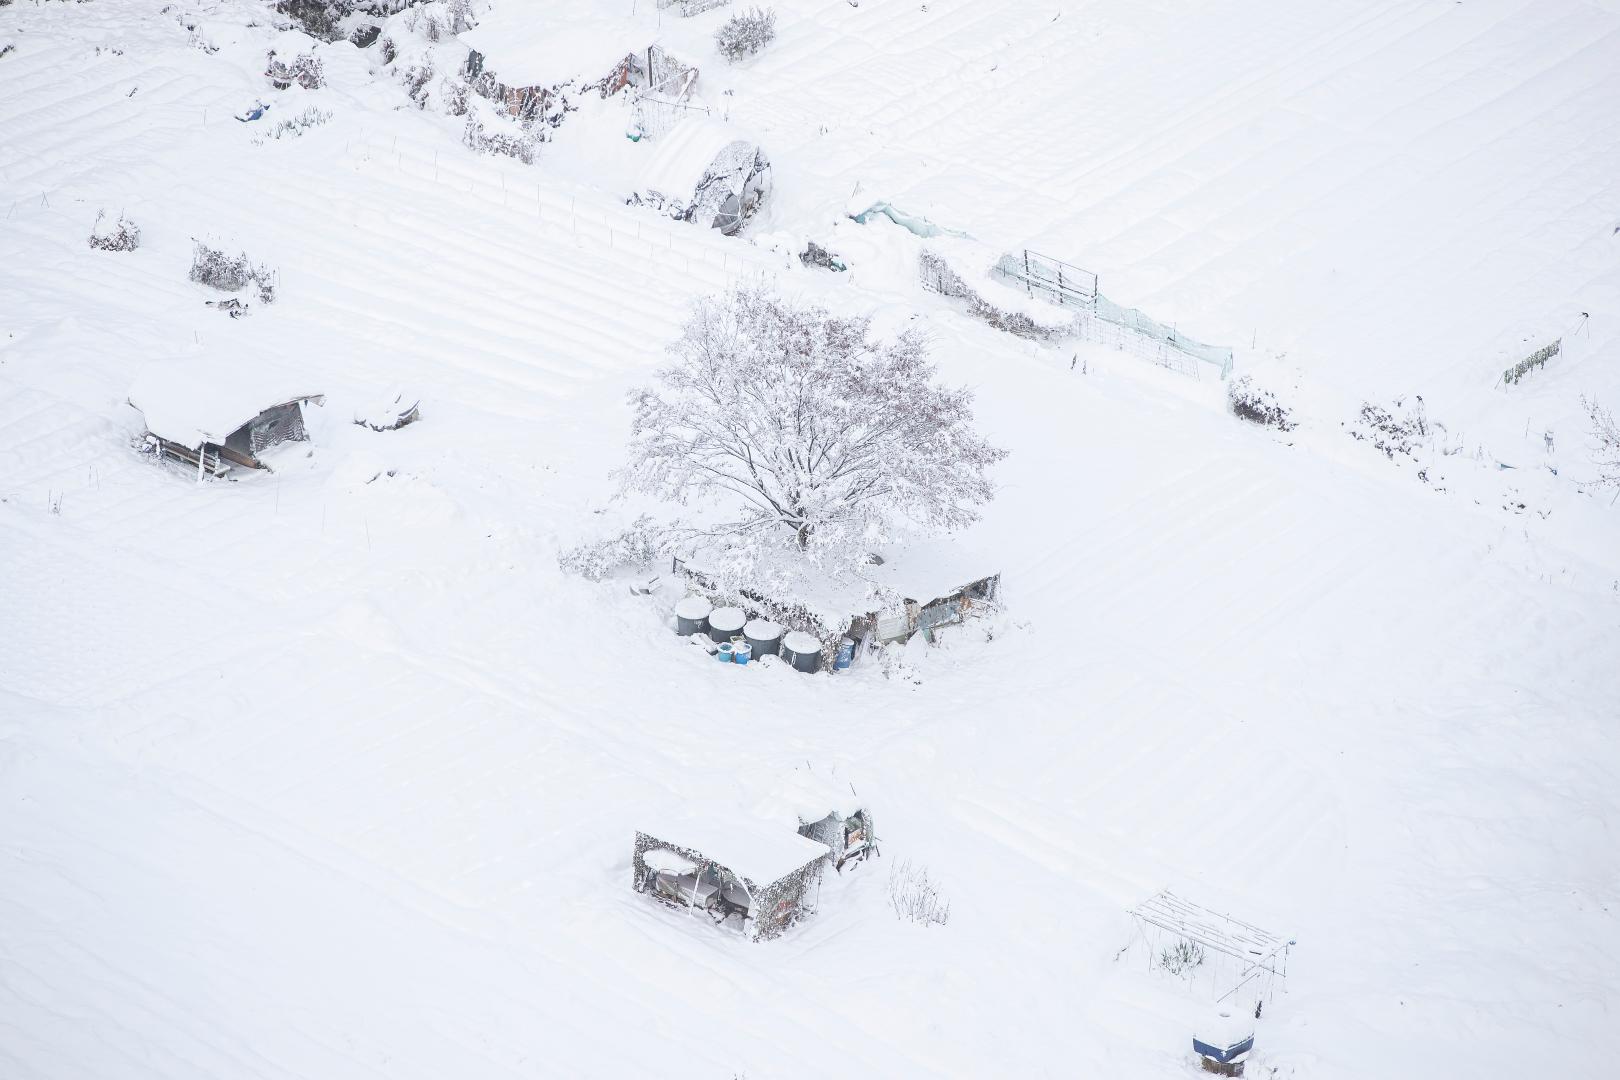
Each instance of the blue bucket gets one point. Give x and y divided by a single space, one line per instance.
742 653
723 652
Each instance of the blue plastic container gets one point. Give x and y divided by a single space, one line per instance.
723 652
846 655
742 653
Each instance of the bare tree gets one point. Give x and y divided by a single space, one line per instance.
801 426
1605 442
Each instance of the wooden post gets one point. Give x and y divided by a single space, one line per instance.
1029 286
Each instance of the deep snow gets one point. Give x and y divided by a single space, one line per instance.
332 772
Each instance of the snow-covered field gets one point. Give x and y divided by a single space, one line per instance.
332 772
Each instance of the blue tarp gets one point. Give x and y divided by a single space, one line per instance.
1236 1050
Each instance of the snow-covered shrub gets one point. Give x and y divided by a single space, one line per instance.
114 234
1605 442
305 69
455 97
745 33
937 275
1182 958
1257 405
320 19
636 547
1401 430
433 21
459 15
914 897
231 273
688 8
492 140
804 432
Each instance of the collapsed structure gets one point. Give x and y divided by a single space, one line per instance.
831 813
708 173
215 414
731 868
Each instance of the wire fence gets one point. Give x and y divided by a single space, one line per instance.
1070 287
665 101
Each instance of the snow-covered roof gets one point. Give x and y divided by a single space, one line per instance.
921 571
928 570
684 157
807 796
763 852
541 42
203 399
664 859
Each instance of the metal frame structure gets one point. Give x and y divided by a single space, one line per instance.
1260 954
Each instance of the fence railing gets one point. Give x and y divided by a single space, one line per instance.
663 103
1069 286
1057 281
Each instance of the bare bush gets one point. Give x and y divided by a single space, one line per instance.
1605 442
746 33
914 897
114 234
1182 958
294 127
305 69
521 146
1401 430
231 273
1257 405
319 18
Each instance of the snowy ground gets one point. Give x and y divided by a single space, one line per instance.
332 772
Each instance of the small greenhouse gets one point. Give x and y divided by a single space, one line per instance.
214 413
706 172
761 879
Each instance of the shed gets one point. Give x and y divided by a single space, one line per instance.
706 172
901 591
217 413
830 811
731 867
938 583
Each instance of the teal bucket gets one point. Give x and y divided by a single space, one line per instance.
723 652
